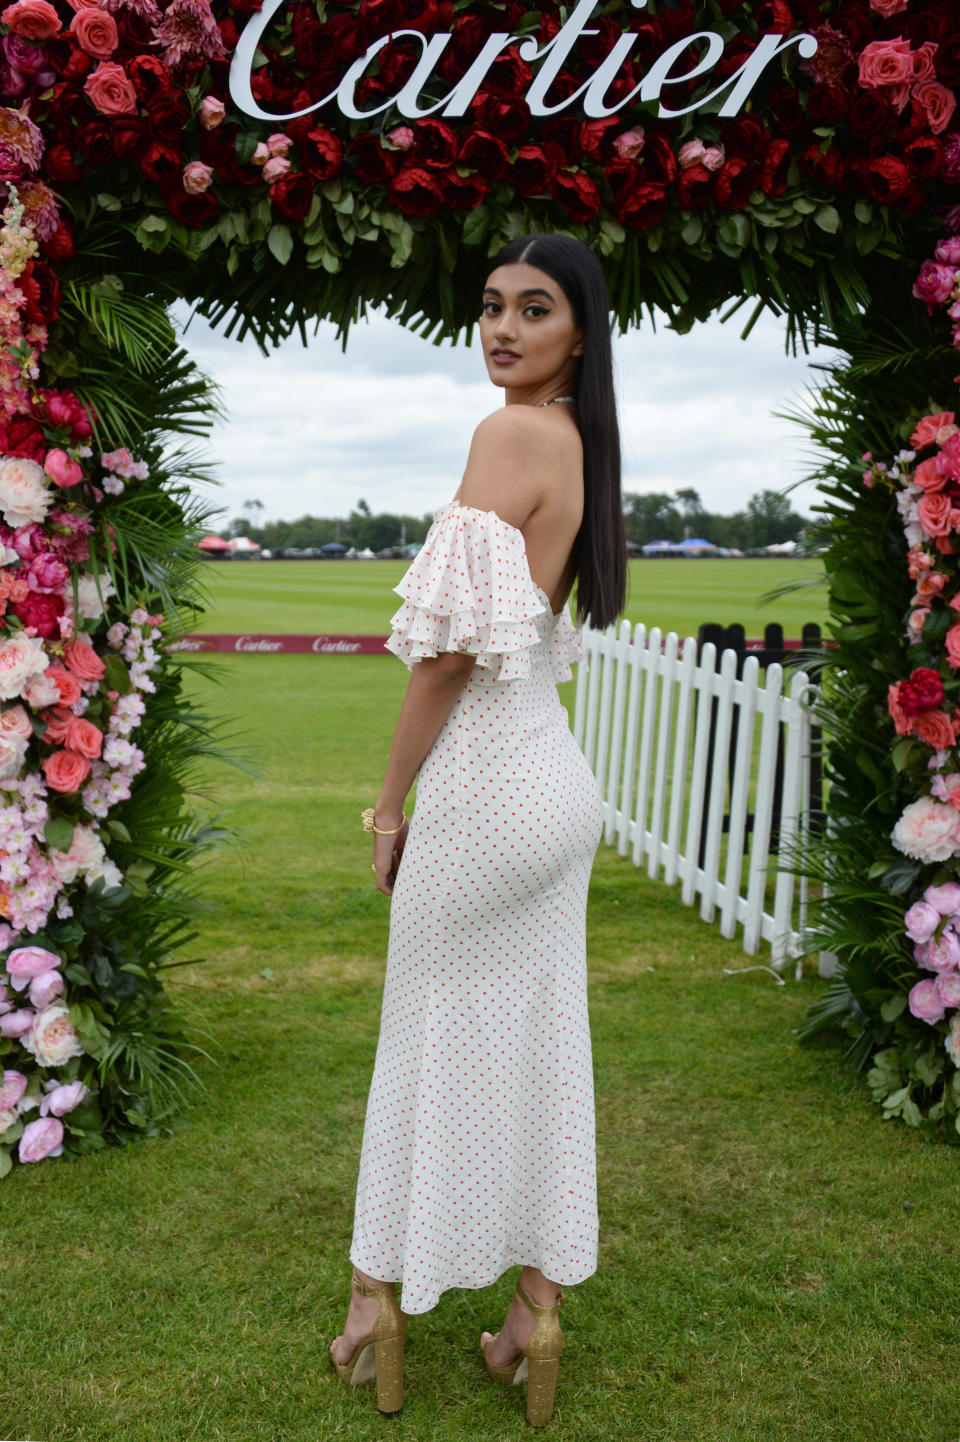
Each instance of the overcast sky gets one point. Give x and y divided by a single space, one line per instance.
313 430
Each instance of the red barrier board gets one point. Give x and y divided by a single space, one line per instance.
250 642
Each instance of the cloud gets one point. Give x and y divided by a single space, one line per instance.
312 430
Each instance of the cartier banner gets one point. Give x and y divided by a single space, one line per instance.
672 67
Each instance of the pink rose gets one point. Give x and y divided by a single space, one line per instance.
915 626
934 285
901 720
110 91
713 157
924 1002
886 8
83 660
921 921
278 143
65 771
61 469
17 1023
84 736
212 112
32 19
42 1138
29 961
12 1088
948 988
937 102
945 899
935 728
927 831
947 461
630 143
275 169
197 177
63 1099
67 685
923 66
928 429
934 514
952 644
930 585
15 722
927 477
401 137
44 988
96 32
886 62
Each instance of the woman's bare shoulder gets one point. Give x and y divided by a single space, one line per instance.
513 461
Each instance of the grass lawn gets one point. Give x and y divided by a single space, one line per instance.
355 597
775 1259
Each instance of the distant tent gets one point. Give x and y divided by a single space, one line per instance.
661 548
333 548
213 543
696 544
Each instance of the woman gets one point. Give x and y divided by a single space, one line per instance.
478 1147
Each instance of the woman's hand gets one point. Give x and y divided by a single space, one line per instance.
387 851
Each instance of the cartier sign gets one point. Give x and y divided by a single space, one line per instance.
550 58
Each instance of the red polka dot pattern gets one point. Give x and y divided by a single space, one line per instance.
479 1144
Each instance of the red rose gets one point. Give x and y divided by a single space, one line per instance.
746 139
464 192
533 169
321 153
946 62
483 151
40 611
871 115
659 161
827 103
693 187
773 174
371 162
166 118
160 161
510 119
414 191
192 210
130 137
595 138
642 206
218 148
94 141
787 113
59 165
578 195
151 77
827 167
735 182
397 63
925 157
21 436
68 62
508 77
39 287
292 196
434 145
886 178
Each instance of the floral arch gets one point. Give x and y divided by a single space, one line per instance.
798 156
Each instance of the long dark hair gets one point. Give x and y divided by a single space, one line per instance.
600 551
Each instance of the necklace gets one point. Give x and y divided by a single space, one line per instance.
559 401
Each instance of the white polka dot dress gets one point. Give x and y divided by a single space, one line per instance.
478 1145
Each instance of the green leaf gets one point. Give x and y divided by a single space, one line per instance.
827 218
903 749
893 1006
115 673
58 833
6 1162
910 1113
280 243
475 225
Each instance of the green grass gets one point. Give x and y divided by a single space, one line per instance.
776 1261
355 597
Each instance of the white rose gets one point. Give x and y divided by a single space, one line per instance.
24 497
7 1119
112 875
20 658
90 601
12 751
52 1039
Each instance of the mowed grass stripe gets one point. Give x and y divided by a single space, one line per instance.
356 597
775 1260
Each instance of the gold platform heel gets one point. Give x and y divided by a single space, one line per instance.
380 1354
539 1363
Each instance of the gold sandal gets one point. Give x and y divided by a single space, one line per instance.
539 1364
380 1354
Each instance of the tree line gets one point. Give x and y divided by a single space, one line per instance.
766 520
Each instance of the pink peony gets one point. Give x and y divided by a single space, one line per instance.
945 898
52 1039
21 657
952 1042
24 497
934 285
47 573
44 988
924 1002
921 921
12 1087
927 831
62 1099
948 253
29 961
941 954
42 1138
948 460
15 722
17 1023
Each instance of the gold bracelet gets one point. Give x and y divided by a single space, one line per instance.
369 823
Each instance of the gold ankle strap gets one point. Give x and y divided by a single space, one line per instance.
535 1307
371 1289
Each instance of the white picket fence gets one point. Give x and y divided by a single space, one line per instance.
642 718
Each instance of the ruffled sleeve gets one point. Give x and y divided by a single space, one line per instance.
469 589
564 648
